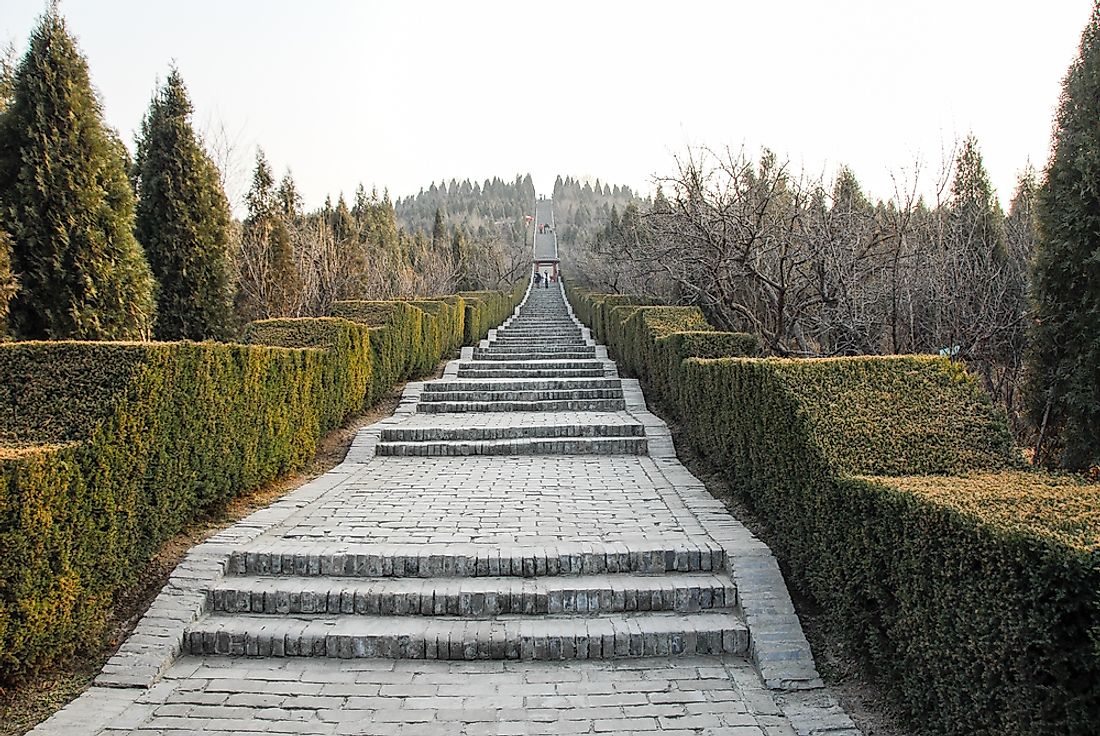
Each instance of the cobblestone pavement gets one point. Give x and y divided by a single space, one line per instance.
535 562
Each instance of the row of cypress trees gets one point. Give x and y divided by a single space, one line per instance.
89 260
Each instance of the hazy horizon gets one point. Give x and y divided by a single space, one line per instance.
400 96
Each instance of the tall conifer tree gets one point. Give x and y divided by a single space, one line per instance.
1065 350
66 201
183 221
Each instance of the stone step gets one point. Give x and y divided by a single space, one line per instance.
548 347
437 407
503 373
542 365
526 446
572 394
534 332
526 638
539 341
641 556
476 434
475 597
534 384
559 324
494 354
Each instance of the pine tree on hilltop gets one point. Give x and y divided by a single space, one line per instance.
439 232
183 221
1065 352
66 201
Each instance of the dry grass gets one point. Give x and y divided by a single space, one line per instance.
30 702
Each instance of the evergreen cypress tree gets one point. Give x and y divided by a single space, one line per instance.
1065 350
183 221
8 284
66 201
269 282
975 212
439 232
343 224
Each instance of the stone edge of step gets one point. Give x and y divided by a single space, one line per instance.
433 560
513 638
513 446
564 595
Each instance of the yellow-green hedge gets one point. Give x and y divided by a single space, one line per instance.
487 309
895 497
349 382
183 426
108 449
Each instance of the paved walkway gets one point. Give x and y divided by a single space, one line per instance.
515 551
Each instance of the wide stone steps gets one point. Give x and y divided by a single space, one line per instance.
526 446
436 407
518 396
545 384
524 638
503 373
511 432
527 355
537 342
522 365
531 333
550 348
475 597
641 556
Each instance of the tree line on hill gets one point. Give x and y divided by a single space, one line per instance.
94 245
816 268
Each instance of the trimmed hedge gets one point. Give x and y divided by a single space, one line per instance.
349 382
487 309
975 600
897 500
109 449
182 427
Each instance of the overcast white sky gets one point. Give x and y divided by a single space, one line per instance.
399 94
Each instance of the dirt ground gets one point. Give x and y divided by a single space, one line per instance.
28 703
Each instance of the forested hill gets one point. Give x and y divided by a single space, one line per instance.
496 208
582 209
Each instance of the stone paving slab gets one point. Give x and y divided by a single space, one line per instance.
717 695
503 500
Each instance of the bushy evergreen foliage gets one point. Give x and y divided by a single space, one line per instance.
895 498
183 221
1065 351
581 209
111 448
66 201
8 284
268 282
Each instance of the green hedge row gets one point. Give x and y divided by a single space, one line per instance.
652 341
487 309
183 427
109 449
895 496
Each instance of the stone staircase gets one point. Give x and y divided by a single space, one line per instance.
538 386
